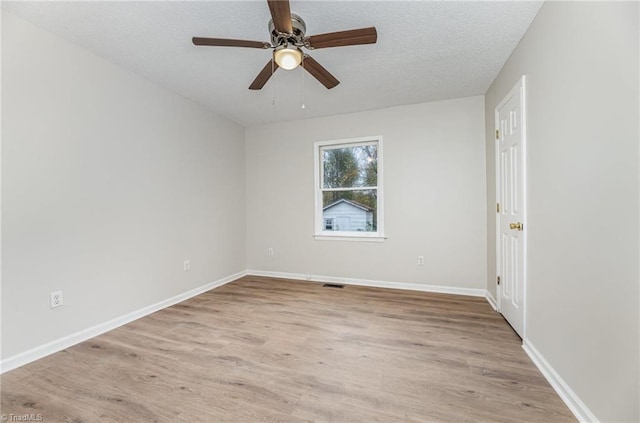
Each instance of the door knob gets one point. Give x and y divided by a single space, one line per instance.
517 226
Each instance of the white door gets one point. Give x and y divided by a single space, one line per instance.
510 223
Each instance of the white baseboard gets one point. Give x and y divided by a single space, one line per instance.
575 404
492 301
372 283
49 348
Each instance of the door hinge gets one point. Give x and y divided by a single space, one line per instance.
498 280
497 207
497 134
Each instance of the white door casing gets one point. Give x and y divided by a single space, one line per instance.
511 224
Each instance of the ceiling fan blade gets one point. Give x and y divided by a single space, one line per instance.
225 42
269 69
319 72
344 38
281 14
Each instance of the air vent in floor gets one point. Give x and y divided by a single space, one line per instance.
333 285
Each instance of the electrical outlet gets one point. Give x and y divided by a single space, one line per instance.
55 299
270 252
420 260
187 265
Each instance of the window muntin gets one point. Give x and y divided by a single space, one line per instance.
349 188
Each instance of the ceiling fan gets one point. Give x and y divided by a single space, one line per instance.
288 37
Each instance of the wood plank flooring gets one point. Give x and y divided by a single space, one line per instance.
270 350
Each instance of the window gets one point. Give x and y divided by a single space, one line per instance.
348 188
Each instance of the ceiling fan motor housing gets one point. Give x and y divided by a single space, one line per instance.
296 38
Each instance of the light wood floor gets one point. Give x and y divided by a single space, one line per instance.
267 350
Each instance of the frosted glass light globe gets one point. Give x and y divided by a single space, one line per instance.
288 58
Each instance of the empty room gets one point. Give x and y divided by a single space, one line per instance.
320 211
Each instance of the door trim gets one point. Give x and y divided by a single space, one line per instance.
519 86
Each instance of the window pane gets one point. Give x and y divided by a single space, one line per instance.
350 166
352 211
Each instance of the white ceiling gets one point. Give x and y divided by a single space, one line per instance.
426 50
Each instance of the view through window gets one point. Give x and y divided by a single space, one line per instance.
348 191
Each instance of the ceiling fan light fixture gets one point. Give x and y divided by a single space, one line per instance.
287 58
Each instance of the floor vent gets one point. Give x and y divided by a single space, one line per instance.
333 285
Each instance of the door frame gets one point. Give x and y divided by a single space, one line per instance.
519 86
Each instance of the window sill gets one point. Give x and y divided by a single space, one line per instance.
350 238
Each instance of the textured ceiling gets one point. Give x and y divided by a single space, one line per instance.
426 50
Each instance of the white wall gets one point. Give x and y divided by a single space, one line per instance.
108 183
434 185
581 62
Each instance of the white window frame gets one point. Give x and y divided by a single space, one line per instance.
320 233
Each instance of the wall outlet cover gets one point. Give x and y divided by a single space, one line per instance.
55 299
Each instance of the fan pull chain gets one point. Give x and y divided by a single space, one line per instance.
302 95
273 90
